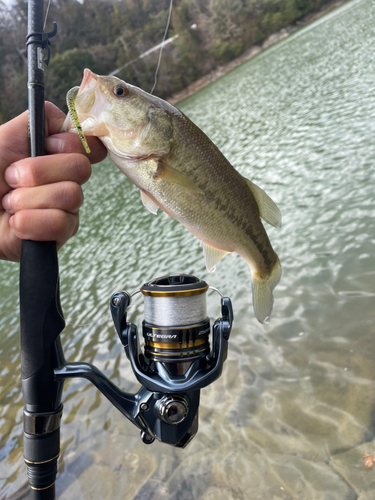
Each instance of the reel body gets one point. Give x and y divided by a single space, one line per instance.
174 364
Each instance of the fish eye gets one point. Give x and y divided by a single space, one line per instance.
120 91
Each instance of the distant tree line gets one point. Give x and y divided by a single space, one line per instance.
105 34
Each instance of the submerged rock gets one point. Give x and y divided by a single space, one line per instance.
351 466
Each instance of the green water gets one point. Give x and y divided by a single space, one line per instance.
293 413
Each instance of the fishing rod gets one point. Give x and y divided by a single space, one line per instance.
40 312
175 362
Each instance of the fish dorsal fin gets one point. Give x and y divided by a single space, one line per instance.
212 256
149 203
173 175
268 210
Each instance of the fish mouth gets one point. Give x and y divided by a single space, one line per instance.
85 99
89 104
89 80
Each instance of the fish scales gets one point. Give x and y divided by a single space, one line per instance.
206 166
178 169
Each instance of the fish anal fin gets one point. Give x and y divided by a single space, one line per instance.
212 256
173 175
149 203
268 210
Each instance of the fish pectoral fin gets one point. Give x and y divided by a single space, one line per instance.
268 210
149 203
212 256
171 174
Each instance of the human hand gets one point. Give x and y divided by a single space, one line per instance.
40 197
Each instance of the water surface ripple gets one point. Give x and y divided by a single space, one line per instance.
292 414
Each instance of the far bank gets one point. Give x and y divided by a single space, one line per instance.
252 52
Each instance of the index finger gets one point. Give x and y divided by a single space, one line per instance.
14 141
14 137
54 118
69 142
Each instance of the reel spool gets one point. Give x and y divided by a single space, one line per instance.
176 328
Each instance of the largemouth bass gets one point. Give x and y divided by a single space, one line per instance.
178 169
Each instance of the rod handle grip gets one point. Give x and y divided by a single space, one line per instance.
42 320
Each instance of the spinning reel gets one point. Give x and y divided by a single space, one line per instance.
175 363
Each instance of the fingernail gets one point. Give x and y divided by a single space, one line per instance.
6 202
11 176
54 145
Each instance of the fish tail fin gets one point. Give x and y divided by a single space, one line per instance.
262 292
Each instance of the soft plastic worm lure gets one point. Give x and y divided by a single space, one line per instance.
70 101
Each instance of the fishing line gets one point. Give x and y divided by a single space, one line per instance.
45 18
176 311
162 46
